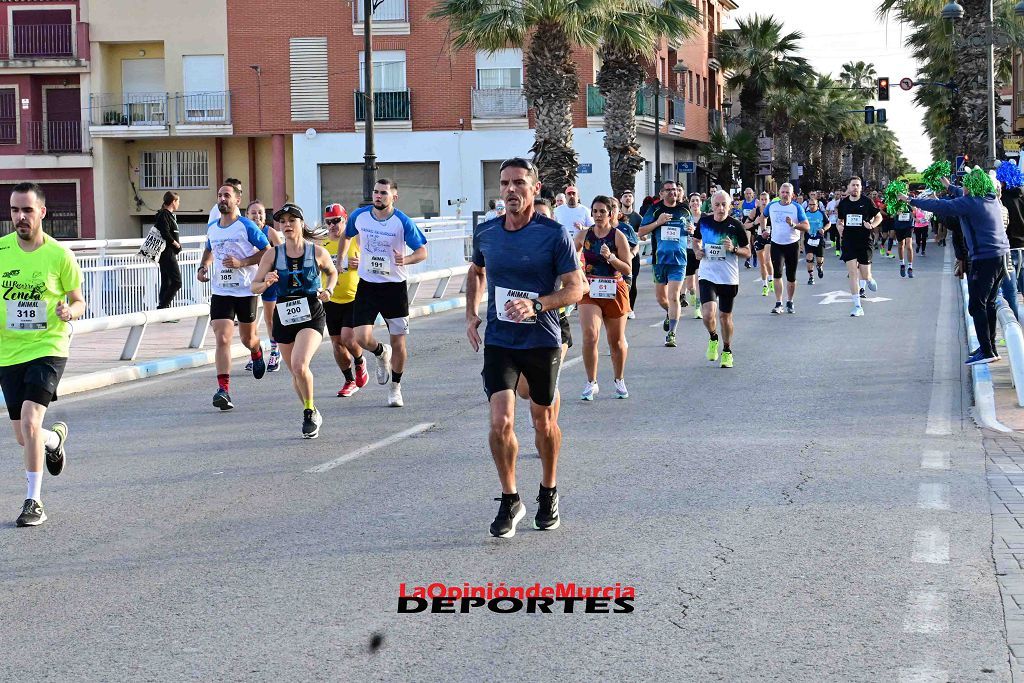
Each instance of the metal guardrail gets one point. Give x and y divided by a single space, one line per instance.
1014 337
137 322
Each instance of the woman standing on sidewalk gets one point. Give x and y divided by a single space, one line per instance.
170 272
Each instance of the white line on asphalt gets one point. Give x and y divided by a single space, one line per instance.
933 496
927 612
935 460
931 546
939 421
359 452
923 674
572 361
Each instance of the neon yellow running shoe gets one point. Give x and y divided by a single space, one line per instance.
712 353
727 359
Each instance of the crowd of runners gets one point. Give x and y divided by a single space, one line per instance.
538 264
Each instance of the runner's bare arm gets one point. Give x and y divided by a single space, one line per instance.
475 281
326 263
623 260
265 274
204 266
255 258
74 308
415 257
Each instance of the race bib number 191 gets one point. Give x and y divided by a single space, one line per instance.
26 315
380 264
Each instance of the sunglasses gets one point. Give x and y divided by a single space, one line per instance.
518 162
332 221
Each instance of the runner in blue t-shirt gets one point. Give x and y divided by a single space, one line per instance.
814 239
522 257
674 225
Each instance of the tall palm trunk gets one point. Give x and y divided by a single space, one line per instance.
970 119
620 77
551 87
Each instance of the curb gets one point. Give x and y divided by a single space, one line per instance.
984 392
163 366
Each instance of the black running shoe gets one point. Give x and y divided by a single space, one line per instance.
664 324
311 422
789 307
903 270
810 280
862 291
55 458
821 272
509 514
259 367
547 510
683 303
32 513
222 400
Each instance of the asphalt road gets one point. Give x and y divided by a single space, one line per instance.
771 516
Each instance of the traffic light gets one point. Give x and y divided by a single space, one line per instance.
879 116
869 115
883 89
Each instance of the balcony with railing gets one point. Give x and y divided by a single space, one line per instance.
56 137
61 221
44 42
499 104
644 105
203 113
388 107
128 114
390 17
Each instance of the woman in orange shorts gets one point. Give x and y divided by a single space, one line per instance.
604 252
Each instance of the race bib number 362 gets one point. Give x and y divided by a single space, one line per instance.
503 295
26 315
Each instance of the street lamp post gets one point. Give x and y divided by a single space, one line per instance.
657 92
953 11
369 155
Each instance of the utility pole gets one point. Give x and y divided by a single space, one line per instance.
369 156
657 136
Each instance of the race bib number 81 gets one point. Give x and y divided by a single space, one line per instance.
602 288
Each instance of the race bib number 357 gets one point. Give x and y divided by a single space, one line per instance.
26 315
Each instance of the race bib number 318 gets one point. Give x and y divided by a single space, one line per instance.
26 315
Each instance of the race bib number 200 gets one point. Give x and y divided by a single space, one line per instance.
503 295
294 312
26 315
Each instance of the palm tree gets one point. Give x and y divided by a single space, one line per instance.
725 151
549 29
859 75
631 38
761 58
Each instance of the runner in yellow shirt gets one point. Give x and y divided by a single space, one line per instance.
36 275
339 307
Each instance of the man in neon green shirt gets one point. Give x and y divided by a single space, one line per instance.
37 274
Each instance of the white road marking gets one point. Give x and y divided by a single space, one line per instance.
943 380
927 612
923 674
935 460
841 297
933 496
572 361
931 546
359 452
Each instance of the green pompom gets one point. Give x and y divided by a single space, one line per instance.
932 176
894 206
979 183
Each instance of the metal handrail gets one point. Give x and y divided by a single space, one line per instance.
1014 336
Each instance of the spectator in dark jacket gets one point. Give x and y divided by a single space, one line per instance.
1013 200
981 220
170 272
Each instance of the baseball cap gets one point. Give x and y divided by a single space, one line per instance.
571 188
499 204
334 211
293 209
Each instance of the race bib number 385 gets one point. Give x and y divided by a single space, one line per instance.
26 315
229 278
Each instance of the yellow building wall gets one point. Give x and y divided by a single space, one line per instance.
192 201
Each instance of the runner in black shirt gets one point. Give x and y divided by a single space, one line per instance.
857 218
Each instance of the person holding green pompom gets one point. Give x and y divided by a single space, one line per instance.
981 219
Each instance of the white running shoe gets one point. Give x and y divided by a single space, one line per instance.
872 285
384 365
620 389
631 315
589 391
857 312
395 396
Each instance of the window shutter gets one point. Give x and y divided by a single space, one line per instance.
308 60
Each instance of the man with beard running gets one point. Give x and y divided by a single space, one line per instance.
672 223
858 217
522 336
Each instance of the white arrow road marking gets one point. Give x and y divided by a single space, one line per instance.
841 297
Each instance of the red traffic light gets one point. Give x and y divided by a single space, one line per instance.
883 89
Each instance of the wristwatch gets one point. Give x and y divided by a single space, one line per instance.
538 307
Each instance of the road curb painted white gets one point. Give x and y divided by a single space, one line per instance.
163 366
984 392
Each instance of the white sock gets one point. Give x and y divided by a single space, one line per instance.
51 440
902 262
863 284
856 300
35 483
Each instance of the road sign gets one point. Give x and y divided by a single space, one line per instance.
906 84
958 167
686 166
585 168
1011 144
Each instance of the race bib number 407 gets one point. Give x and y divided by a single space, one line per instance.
503 295
26 315
715 252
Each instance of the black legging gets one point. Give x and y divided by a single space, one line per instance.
170 278
790 253
983 287
833 232
632 285
921 238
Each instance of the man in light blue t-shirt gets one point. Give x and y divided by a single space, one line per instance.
788 220
814 238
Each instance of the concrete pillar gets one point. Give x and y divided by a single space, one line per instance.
278 175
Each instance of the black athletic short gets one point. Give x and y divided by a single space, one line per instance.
790 253
540 367
390 300
725 295
231 307
692 264
35 380
760 243
904 234
819 250
286 334
338 316
857 247
563 324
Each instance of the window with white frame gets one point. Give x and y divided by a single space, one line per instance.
388 71
499 69
183 169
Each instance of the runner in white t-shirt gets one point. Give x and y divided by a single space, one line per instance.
573 216
788 222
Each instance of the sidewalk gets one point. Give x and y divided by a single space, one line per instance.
95 358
